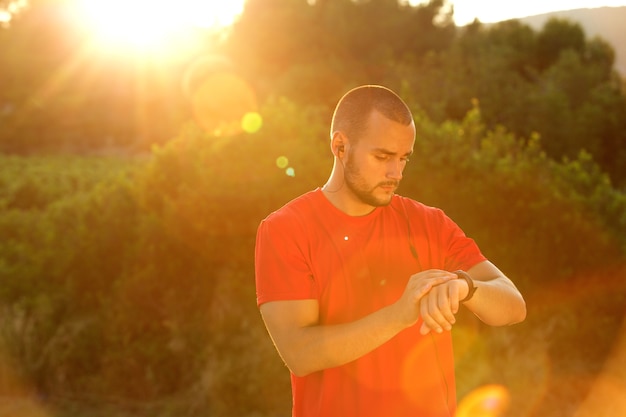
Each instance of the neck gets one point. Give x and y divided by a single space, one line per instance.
335 182
340 195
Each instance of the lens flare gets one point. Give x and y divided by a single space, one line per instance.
282 162
290 172
486 401
608 393
251 122
151 25
222 102
5 18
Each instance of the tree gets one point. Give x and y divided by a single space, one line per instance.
558 35
313 52
60 92
554 82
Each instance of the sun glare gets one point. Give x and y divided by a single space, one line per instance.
154 25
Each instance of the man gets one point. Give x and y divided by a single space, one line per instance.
359 287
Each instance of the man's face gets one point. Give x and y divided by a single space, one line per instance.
374 164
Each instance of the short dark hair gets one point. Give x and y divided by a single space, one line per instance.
354 108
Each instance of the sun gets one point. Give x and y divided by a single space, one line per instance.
150 25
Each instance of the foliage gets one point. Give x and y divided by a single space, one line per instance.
57 252
129 281
507 193
60 93
555 83
213 192
135 286
311 52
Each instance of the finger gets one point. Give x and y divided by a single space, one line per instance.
422 290
444 303
429 322
435 309
435 275
454 298
430 312
443 276
434 279
437 278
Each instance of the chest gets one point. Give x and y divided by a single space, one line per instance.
359 268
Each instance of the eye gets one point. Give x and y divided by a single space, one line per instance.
381 157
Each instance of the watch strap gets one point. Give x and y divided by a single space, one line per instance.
470 284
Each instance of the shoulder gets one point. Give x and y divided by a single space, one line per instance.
305 202
294 213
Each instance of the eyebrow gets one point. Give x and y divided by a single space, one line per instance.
388 152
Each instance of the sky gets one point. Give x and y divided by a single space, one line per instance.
489 11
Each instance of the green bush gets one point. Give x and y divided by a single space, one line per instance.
202 198
62 244
134 279
536 218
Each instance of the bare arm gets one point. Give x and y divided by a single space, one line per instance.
497 302
306 346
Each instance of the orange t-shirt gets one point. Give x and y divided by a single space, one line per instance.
354 266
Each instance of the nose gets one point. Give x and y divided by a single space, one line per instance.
395 169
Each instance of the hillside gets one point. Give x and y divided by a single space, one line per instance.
605 22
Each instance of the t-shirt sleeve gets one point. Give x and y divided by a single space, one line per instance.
462 251
281 268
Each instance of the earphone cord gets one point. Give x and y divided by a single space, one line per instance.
432 337
343 179
443 376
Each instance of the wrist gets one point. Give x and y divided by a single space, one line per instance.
399 316
471 288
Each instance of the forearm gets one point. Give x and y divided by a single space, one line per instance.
307 346
317 347
497 302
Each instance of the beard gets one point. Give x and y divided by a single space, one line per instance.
358 186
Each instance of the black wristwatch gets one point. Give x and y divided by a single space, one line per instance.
470 284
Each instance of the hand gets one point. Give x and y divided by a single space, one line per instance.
420 285
439 307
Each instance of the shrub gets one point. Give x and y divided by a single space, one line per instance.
536 218
138 284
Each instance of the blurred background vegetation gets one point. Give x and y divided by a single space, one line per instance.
130 193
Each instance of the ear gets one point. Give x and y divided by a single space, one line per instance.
338 143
